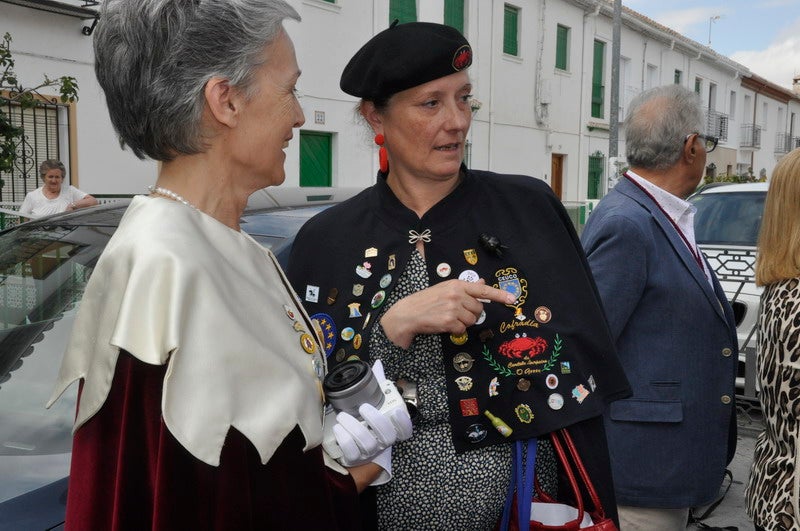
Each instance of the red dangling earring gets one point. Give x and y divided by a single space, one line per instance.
383 158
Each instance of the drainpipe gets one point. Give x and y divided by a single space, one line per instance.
492 47
753 151
644 66
582 163
476 81
613 117
538 107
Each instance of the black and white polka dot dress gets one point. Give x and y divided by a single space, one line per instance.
433 486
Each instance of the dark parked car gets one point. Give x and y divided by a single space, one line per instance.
726 229
44 267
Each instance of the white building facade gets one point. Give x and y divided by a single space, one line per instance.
541 70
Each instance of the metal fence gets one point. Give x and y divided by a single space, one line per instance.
750 136
717 125
46 136
783 143
8 215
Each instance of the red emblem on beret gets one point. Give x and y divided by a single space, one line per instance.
462 58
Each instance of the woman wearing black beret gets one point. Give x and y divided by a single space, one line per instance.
469 284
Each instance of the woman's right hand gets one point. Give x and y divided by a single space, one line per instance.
448 307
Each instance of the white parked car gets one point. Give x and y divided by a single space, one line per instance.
726 229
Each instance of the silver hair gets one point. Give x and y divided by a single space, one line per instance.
52 164
153 59
657 123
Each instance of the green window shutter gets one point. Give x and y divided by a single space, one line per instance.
510 30
678 77
598 89
403 10
698 85
562 37
596 163
315 159
454 14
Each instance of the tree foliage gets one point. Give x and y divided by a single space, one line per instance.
12 91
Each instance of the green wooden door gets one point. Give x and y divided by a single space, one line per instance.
454 14
596 163
562 39
598 89
403 10
510 30
316 153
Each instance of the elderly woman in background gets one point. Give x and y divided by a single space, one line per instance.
468 284
200 397
771 493
53 197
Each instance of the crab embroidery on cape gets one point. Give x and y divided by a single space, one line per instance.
523 346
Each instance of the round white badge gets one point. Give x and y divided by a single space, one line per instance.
469 275
555 401
443 270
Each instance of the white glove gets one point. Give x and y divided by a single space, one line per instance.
355 442
393 406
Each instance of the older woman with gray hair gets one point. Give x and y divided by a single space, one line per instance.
200 398
53 197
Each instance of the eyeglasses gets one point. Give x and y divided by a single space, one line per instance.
710 141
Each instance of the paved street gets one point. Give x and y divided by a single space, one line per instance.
730 513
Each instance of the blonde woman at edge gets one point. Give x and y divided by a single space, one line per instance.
771 494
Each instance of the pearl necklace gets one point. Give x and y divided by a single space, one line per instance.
171 195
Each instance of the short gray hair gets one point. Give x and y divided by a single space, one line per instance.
153 59
657 123
52 164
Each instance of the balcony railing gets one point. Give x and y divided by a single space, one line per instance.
783 143
751 136
717 125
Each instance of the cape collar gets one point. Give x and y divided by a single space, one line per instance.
439 219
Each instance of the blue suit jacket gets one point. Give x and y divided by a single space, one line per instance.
675 335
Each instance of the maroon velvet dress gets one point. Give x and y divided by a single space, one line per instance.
130 473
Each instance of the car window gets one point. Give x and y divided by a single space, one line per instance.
278 224
730 218
276 229
43 272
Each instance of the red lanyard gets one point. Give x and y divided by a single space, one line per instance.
695 253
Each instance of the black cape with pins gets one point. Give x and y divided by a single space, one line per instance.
544 363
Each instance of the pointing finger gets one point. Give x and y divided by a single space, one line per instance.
482 291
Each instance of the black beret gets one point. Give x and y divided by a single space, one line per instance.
404 56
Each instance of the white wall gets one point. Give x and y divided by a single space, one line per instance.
45 43
530 110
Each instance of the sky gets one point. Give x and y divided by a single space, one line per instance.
763 35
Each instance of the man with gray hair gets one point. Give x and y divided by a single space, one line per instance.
673 327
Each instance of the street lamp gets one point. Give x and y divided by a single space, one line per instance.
710 20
